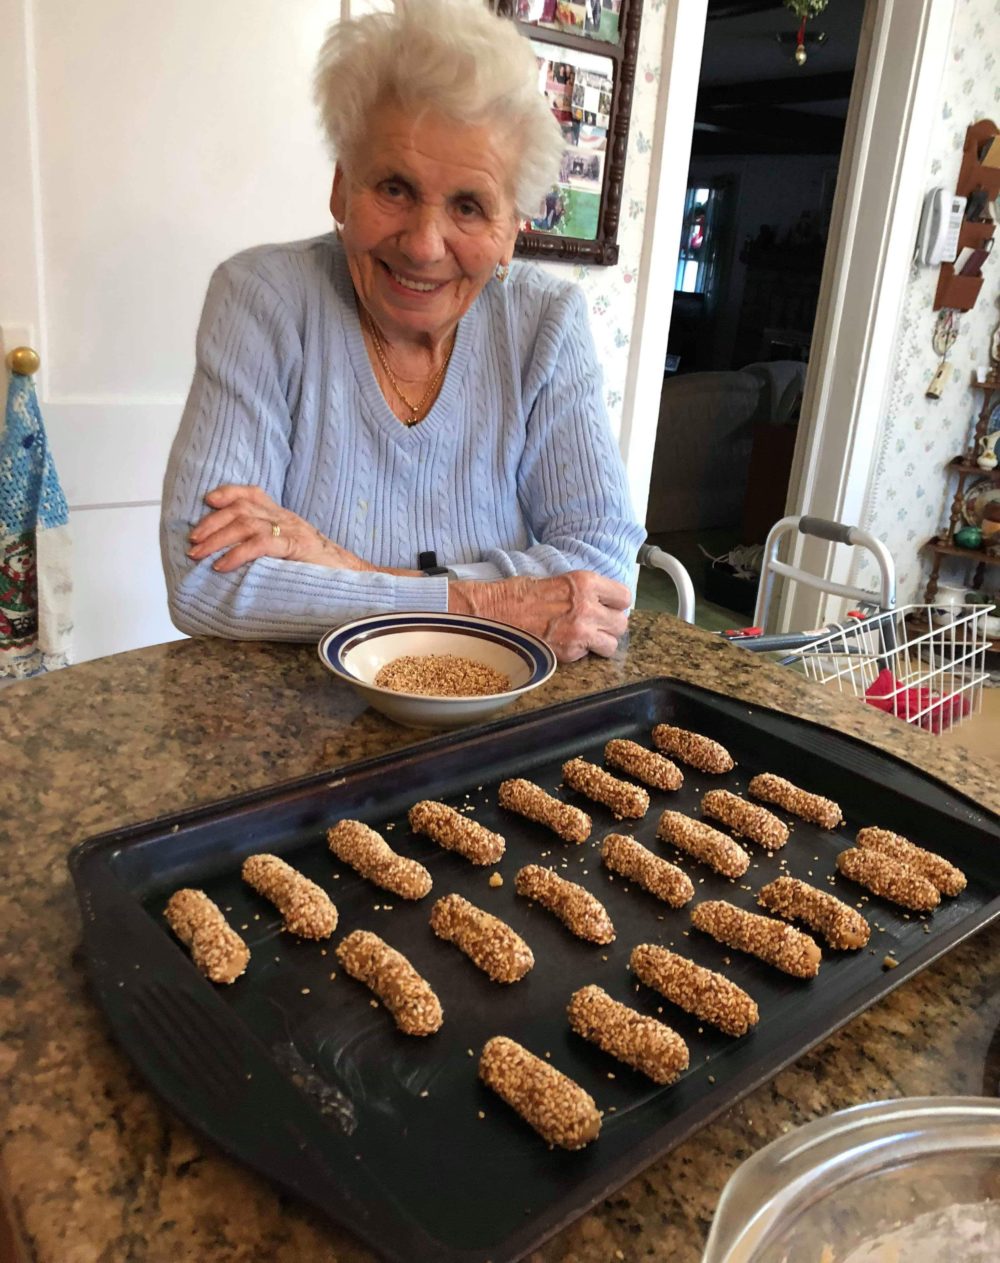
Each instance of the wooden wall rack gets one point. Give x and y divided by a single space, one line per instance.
960 292
965 469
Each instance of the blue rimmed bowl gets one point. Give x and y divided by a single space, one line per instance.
356 652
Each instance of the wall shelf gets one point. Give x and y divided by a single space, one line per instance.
964 467
960 292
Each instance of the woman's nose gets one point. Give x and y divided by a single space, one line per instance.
422 240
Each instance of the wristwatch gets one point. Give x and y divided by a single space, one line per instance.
427 562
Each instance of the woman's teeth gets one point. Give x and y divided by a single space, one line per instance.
421 286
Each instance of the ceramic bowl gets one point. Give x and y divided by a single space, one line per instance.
356 651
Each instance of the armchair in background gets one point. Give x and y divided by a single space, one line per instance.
724 444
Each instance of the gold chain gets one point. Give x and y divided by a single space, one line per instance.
415 408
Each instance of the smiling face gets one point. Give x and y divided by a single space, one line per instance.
427 212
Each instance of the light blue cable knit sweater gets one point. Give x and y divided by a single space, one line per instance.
512 472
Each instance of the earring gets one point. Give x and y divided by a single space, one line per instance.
501 272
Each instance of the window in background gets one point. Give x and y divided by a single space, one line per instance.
696 262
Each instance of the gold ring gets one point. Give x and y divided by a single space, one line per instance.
275 530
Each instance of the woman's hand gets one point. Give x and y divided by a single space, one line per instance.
579 612
245 523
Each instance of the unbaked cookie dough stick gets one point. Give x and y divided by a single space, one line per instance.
703 992
216 948
889 879
773 942
408 997
308 911
703 843
576 908
775 789
639 1041
692 748
369 854
455 832
559 1110
623 799
645 765
746 819
631 859
531 801
842 926
935 868
487 941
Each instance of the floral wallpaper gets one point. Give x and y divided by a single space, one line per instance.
910 493
611 290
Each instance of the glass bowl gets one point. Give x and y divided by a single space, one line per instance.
910 1181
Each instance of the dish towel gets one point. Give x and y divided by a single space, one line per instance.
36 590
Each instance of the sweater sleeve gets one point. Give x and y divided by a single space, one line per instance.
237 428
571 481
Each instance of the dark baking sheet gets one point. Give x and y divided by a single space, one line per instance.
301 1077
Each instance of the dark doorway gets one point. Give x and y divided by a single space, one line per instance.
765 156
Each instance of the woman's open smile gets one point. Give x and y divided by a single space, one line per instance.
412 284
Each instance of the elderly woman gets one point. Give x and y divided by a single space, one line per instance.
397 388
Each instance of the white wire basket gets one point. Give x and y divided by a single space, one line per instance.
922 664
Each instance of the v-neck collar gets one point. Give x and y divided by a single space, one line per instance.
383 416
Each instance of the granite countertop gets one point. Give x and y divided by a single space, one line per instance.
95 1170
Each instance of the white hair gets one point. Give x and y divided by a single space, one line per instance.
451 56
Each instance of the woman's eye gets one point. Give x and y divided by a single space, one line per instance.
469 210
392 189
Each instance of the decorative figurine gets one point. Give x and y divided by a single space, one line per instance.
991 527
995 351
987 458
969 537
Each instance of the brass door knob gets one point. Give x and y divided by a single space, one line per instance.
23 361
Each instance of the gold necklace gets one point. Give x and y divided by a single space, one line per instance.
415 408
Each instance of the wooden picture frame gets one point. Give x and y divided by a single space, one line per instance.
595 213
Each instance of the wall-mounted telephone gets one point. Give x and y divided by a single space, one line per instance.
940 224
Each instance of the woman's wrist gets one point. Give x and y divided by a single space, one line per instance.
467 596
500 599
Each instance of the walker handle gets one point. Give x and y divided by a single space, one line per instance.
836 532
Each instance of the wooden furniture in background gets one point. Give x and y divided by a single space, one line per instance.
780 293
964 468
960 292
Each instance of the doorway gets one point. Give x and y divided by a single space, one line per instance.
766 148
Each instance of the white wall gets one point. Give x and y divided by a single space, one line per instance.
140 145
612 291
909 495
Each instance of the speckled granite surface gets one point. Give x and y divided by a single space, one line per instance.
96 1171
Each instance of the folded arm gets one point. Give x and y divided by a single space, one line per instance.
234 443
240 565
573 586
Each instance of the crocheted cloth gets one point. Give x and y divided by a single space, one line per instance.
35 587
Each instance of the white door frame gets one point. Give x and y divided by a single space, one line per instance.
673 132
901 59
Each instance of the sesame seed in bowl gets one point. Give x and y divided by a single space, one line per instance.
436 670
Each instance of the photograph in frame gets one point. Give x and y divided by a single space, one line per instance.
591 19
578 87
